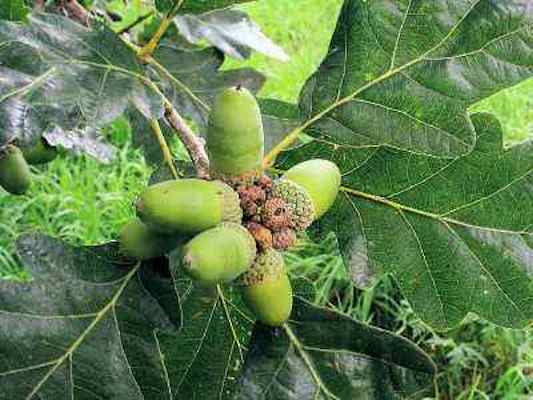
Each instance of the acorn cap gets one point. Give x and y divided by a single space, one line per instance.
231 203
268 266
297 198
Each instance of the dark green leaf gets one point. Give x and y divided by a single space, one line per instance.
72 76
402 73
231 31
452 233
320 354
86 326
213 341
279 118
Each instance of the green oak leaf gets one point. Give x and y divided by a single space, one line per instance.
320 354
453 234
403 73
86 326
213 341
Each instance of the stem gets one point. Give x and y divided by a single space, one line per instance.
167 156
150 47
135 23
193 144
77 11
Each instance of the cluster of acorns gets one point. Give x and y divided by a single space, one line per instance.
233 227
15 176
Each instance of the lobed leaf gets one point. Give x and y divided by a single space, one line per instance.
403 73
320 354
452 233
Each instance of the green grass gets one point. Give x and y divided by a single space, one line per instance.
86 203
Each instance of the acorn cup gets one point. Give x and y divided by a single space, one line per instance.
235 138
15 175
139 242
267 290
188 206
219 255
40 153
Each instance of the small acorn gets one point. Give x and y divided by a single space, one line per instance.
235 138
261 234
219 254
139 242
188 206
284 239
267 290
15 176
40 153
321 179
276 214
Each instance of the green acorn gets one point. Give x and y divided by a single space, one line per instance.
188 206
141 243
219 254
40 153
15 176
235 139
321 179
267 290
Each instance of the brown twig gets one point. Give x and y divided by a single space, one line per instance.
77 12
193 144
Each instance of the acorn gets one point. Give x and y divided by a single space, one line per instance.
284 239
235 138
267 290
139 242
276 214
261 234
15 175
40 153
188 206
219 255
321 179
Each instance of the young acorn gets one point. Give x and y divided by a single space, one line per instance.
188 206
310 189
267 290
235 138
139 242
39 153
15 176
219 255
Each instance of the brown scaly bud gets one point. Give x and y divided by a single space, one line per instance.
276 214
262 235
249 209
283 239
252 194
265 182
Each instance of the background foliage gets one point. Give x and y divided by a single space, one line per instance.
86 203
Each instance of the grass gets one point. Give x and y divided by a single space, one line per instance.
86 203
